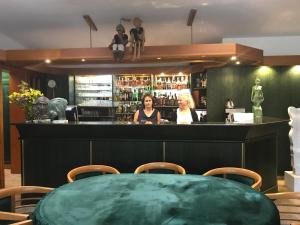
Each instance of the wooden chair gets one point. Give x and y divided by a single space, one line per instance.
88 171
158 166
25 222
288 204
17 203
242 175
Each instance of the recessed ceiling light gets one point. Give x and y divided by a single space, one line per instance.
204 3
82 60
158 58
47 61
238 62
162 74
233 58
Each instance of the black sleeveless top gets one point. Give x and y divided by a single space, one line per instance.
121 40
137 32
142 118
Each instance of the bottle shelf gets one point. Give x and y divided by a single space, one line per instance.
166 106
91 116
132 87
128 113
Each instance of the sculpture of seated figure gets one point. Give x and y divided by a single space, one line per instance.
257 97
57 108
294 136
40 108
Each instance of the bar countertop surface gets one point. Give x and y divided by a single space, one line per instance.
167 131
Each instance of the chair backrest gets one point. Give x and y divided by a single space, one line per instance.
17 203
25 222
89 170
160 166
288 204
241 175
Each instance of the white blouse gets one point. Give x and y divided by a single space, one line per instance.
183 117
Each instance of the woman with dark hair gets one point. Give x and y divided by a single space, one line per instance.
147 115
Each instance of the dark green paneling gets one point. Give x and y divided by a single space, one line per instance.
5 90
61 89
281 88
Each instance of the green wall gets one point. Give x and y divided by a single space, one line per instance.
5 89
62 86
281 88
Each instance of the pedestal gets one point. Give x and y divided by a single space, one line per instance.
292 181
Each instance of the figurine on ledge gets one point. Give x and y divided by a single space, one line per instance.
137 38
119 43
229 104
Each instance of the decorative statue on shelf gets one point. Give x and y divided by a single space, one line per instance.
294 136
57 108
257 97
119 43
137 38
229 104
40 108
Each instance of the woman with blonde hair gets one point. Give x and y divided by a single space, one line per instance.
185 114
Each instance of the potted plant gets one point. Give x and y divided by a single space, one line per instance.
25 99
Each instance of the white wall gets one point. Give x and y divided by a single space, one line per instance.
8 43
285 45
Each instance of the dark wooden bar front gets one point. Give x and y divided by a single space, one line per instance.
49 151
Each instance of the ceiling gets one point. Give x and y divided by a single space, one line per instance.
59 23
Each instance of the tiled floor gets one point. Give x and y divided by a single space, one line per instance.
15 180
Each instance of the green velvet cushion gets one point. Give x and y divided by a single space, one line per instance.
155 199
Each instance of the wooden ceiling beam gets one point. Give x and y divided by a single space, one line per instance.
283 60
208 55
248 55
2 55
120 70
178 52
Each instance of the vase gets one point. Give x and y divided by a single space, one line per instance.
28 113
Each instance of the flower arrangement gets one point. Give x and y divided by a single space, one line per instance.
25 98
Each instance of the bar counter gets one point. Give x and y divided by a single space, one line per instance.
50 150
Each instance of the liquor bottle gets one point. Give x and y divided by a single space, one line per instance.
169 83
173 85
155 103
198 82
119 82
172 101
175 99
135 95
188 86
130 95
158 84
138 82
